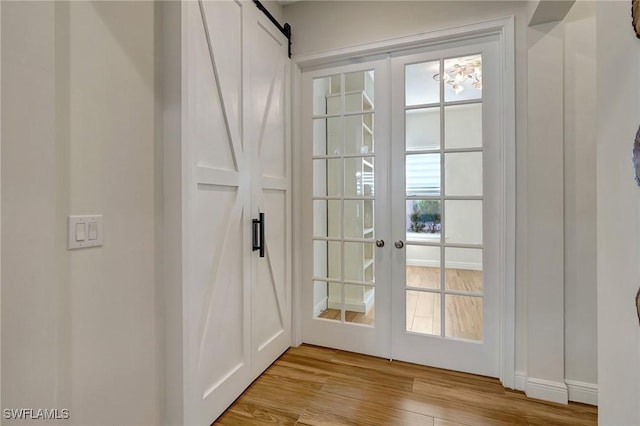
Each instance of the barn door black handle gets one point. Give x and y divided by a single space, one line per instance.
258 234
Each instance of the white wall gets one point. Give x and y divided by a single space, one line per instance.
618 112
580 218
30 303
79 328
169 212
561 208
321 25
111 93
545 213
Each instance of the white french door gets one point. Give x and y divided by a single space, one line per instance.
345 196
236 160
430 214
445 186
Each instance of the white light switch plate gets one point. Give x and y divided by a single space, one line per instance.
84 238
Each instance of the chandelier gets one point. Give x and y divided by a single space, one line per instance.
464 70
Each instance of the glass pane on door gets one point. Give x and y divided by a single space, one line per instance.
423 174
462 78
323 292
423 129
423 266
463 221
463 269
343 197
444 188
463 174
463 316
424 220
421 86
423 312
464 136
359 303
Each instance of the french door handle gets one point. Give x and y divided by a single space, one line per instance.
399 244
379 243
258 234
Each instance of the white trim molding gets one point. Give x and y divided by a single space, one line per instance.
572 390
417 41
547 390
520 381
586 393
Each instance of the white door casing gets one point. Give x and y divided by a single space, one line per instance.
236 314
503 32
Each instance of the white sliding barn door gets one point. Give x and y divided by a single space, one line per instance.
217 220
271 284
235 164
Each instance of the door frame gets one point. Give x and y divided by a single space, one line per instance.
504 29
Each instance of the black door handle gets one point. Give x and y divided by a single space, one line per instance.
258 234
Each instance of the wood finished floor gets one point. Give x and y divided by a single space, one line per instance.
310 385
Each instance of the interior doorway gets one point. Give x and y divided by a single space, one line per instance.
403 249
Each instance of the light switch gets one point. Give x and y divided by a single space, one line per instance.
93 231
81 231
84 231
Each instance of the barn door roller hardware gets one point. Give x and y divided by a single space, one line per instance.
286 29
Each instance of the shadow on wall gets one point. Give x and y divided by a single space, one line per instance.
121 20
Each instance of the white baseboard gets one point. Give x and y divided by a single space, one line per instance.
547 390
424 263
572 390
355 305
520 380
319 307
586 393
351 307
368 300
450 265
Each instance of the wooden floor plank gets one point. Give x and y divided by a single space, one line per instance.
287 374
440 422
244 412
310 385
358 416
436 406
412 371
316 402
315 352
500 403
335 369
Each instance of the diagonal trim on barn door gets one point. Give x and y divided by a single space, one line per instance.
233 142
267 107
203 327
277 294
